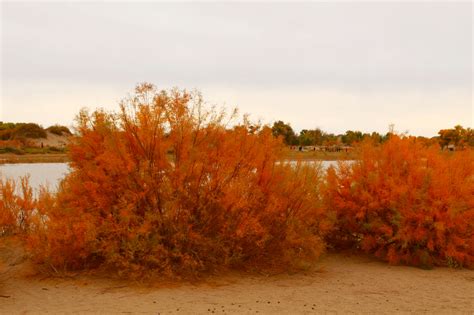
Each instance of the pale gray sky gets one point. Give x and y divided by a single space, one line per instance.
337 66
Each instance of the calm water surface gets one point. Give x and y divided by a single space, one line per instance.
51 173
40 173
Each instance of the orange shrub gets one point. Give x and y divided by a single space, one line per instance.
406 203
165 187
16 206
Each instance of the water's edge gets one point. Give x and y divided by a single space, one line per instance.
51 173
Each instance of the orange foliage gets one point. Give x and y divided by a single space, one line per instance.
16 206
406 203
165 187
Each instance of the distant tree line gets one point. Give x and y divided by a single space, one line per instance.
458 136
318 137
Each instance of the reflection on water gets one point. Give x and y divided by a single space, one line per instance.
50 173
324 164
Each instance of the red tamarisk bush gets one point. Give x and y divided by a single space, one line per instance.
406 203
166 187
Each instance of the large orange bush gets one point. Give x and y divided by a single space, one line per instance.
406 203
167 187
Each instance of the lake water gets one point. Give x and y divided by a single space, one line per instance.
40 173
51 173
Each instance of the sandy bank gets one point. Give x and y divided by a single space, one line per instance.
343 284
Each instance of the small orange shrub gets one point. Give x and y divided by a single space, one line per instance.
16 206
166 187
406 203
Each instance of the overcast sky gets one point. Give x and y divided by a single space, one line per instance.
336 66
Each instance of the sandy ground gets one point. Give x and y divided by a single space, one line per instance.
52 140
342 284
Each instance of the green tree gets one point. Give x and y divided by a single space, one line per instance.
311 137
351 137
281 129
457 136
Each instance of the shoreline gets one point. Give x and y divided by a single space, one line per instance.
33 158
9 158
